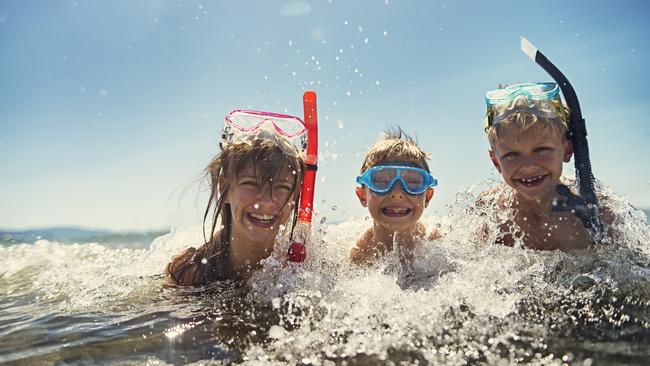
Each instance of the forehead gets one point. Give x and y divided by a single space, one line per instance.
284 172
512 135
407 162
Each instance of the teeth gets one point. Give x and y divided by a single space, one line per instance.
531 180
397 210
262 217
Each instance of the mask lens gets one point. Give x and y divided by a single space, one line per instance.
289 127
381 178
413 178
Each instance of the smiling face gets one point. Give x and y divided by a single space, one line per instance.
530 160
259 206
395 210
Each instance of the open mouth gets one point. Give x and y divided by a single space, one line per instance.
260 220
396 211
531 181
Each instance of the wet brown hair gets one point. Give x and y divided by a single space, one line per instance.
395 145
268 161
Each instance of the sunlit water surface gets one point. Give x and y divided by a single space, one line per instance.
461 302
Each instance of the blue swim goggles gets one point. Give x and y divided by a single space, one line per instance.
382 178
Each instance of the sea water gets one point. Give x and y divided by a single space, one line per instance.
462 301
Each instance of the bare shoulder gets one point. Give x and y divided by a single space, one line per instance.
491 197
362 251
188 267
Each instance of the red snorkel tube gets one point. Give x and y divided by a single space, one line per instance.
297 251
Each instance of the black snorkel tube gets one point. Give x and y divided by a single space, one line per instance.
585 206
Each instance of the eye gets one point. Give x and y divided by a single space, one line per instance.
509 155
285 187
246 181
412 177
543 149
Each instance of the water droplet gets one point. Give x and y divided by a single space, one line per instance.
257 206
385 33
323 219
204 260
276 302
334 208
103 93
348 93
365 40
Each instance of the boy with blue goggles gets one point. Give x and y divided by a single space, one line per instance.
382 179
395 208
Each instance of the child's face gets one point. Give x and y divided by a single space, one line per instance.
396 210
531 162
259 208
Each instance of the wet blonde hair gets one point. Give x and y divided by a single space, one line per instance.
395 146
525 121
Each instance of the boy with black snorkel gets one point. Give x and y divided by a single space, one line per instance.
531 133
395 185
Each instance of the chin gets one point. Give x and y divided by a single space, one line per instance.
401 226
540 196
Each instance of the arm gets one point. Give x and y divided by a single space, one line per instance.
188 269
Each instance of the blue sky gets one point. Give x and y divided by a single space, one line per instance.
109 111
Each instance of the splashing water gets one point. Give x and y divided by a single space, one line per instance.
461 301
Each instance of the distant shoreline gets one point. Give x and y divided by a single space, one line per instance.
77 235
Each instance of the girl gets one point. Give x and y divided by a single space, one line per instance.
255 185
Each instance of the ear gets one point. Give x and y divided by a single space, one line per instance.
568 150
361 194
428 196
495 161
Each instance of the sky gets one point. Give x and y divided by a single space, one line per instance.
110 111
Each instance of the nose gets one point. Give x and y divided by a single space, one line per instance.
265 194
397 192
528 164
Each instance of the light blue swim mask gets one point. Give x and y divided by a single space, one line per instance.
541 99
